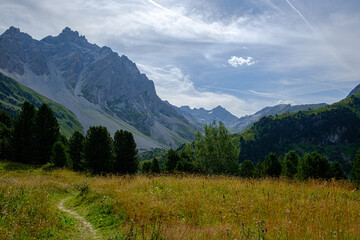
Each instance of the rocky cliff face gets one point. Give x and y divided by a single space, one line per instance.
70 70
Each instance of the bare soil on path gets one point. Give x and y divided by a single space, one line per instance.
86 230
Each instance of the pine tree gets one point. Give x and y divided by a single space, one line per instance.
23 136
247 169
146 167
98 150
172 158
59 155
355 171
155 168
290 164
126 161
313 166
46 133
6 131
272 166
76 146
336 171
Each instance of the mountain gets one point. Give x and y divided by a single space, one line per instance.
354 91
332 130
98 85
203 116
243 123
13 95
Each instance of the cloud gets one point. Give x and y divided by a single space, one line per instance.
239 61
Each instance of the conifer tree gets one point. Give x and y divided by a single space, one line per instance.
272 166
172 158
155 168
76 146
336 171
247 169
126 161
290 164
6 131
98 150
46 133
23 136
146 167
355 171
59 155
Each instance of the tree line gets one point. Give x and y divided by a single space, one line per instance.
216 152
34 138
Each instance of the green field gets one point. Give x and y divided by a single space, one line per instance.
36 203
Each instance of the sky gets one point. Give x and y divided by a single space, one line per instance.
241 54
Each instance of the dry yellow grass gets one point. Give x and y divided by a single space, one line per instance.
178 207
200 207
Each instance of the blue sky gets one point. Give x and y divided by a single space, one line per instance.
240 54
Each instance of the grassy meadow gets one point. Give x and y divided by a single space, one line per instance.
173 206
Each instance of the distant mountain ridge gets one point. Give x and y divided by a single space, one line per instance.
202 116
98 85
245 122
354 91
208 116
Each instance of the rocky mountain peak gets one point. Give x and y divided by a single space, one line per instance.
69 35
12 30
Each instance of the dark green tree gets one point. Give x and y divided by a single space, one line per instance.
313 165
259 170
336 171
98 150
146 167
290 164
23 136
6 131
76 146
186 160
355 170
215 152
59 155
272 165
172 158
155 167
126 161
247 169
46 133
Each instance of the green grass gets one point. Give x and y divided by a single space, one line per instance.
174 206
13 95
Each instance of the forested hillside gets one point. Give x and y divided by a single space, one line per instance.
13 95
333 131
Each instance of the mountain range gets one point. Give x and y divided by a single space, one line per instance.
202 116
96 84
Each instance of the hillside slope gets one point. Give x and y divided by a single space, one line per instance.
332 130
243 123
13 95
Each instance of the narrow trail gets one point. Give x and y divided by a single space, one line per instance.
86 230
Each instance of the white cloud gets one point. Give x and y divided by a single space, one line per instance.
239 61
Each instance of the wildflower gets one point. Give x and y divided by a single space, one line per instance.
287 211
243 224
